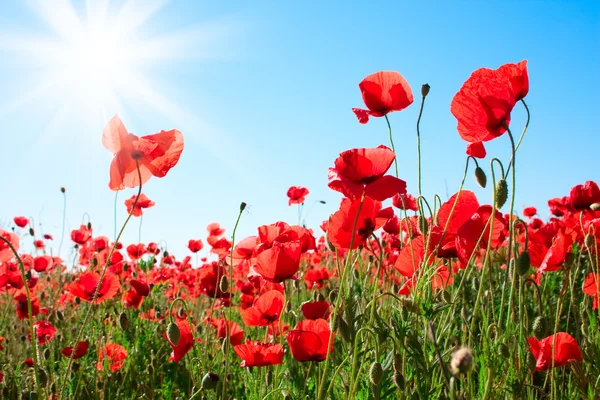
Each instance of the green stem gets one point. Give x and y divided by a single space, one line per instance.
392 143
419 142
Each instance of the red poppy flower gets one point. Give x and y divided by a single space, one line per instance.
362 171
590 287
255 354
476 150
5 251
316 309
560 206
583 196
186 341
47 236
21 222
85 287
383 92
195 245
529 211
81 350
155 154
280 262
236 333
132 299
341 223
136 251
266 310
484 103
477 230
29 362
209 276
2 339
143 202
81 235
141 287
557 253
316 276
115 355
566 350
297 195
214 229
309 340
44 331
21 302
405 201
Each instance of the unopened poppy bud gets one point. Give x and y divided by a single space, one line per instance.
165 253
33 396
46 353
462 361
210 381
423 225
356 274
397 362
123 321
425 90
344 329
523 263
181 313
595 207
43 376
540 327
173 333
330 246
531 361
322 202
242 206
501 193
60 315
31 232
321 297
480 177
224 284
398 380
589 241
89 226
62 189
376 373
333 296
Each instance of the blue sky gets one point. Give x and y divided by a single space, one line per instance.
263 92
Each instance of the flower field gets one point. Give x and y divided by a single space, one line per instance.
394 296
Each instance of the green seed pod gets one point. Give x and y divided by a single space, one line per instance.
398 380
523 263
123 321
501 193
210 381
480 177
540 327
224 284
376 373
173 333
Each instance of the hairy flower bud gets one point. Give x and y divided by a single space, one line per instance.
423 225
540 327
425 90
224 284
173 333
523 263
123 321
501 193
376 373
480 177
210 381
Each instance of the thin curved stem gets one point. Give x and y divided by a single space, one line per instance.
522 135
392 143
64 218
419 143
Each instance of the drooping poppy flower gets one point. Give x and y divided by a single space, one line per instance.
81 235
297 195
195 245
590 287
44 331
383 92
141 287
566 350
85 287
81 350
266 311
21 222
316 309
155 154
143 202
256 354
309 341
5 251
186 341
483 104
20 298
583 196
115 355
341 224
280 262
362 171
